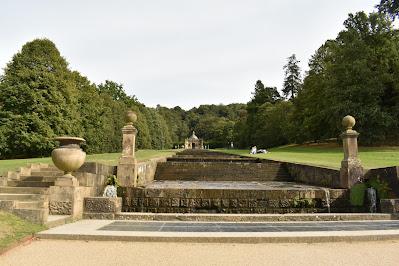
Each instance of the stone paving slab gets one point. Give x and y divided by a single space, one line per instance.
278 232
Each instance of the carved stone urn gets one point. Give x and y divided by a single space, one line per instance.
68 158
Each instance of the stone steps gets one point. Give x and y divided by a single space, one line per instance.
23 197
46 173
23 190
39 178
29 184
31 204
221 171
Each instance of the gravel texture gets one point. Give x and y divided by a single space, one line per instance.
60 252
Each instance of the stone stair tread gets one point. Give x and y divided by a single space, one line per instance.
23 190
29 184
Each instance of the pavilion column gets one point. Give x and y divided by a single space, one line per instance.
351 168
127 165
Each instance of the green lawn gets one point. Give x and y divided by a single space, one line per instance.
105 158
328 155
13 229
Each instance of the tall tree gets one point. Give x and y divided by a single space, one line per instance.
292 80
38 100
264 94
389 7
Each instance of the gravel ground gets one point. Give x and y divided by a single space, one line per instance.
79 253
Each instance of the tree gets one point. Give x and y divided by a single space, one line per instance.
38 100
264 94
292 80
357 74
389 7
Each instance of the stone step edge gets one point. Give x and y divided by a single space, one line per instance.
308 237
240 217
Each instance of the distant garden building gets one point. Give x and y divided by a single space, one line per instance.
193 142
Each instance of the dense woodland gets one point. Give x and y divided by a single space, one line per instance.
357 73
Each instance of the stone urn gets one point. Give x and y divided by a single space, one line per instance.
68 157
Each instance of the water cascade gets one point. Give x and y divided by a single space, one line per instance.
327 195
372 196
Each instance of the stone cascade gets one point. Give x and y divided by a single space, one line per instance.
203 165
200 181
26 192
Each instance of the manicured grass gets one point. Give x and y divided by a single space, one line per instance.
13 229
105 158
329 155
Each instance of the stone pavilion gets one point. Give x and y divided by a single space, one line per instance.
194 142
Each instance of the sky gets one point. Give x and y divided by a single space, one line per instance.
178 52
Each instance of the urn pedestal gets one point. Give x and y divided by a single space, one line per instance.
68 158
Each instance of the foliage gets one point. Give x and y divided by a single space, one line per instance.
389 7
381 186
357 74
40 98
357 194
112 180
292 80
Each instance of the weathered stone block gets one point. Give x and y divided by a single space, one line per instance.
175 202
205 203
242 203
225 203
184 202
233 203
195 203
153 202
389 205
273 203
217 203
102 205
164 202
60 207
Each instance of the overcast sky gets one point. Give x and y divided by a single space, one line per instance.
178 52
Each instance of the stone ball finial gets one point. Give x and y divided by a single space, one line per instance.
348 122
131 117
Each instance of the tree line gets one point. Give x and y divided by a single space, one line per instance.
356 73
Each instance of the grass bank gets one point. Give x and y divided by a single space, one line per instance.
329 155
105 158
13 229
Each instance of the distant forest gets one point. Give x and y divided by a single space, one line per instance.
357 73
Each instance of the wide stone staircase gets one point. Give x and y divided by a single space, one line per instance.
201 181
25 192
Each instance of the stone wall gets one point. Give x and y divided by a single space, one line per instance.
232 201
314 175
146 170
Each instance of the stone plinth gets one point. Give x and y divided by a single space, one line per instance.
68 200
102 205
351 168
127 165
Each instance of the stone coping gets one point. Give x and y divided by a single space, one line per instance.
222 217
89 230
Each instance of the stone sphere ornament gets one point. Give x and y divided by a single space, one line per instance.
131 117
348 122
68 157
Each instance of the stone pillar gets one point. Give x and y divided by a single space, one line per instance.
127 170
351 168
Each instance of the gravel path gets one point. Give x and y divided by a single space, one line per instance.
79 253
